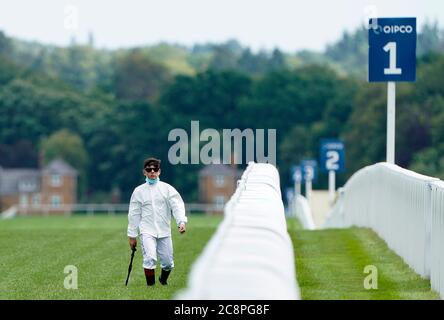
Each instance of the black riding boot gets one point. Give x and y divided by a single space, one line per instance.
164 276
150 277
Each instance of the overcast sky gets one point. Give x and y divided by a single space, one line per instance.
261 24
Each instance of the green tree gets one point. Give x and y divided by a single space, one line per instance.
70 147
296 145
137 77
5 45
365 132
282 99
8 70
253 63
225 56
351 52
277 60
140 131
20 154
211 97
430 39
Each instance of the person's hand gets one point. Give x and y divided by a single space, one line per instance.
132 242
182 228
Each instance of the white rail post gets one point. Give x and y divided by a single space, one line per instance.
297 188
308 190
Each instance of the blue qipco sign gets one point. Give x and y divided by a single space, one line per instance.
392 49
296 174
309 170
332 155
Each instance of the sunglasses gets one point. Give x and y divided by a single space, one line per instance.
155 169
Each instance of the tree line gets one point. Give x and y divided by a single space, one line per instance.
105 116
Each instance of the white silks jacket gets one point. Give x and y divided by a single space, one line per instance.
151 207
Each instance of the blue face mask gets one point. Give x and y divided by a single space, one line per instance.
151 181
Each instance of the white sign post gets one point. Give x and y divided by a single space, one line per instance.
391 115
392 57
297 182
308 178
331 185
332 159
309 173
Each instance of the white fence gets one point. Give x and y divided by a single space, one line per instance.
437 238
110 208
9 213
404 208
300 208
335 218
251 254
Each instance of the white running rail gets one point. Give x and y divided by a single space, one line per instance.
110 208
251 255
404 208
300 208
437 238
9 213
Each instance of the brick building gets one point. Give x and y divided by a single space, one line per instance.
217 183
36 190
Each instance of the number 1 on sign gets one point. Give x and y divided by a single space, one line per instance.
391 48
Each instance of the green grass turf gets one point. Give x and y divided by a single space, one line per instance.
35 250
330 265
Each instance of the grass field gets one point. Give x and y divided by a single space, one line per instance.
330 265
35 251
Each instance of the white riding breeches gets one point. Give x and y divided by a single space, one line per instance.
153 247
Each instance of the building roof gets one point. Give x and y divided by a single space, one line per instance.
60 167
219 169
14 180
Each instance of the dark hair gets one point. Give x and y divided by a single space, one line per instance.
151 162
